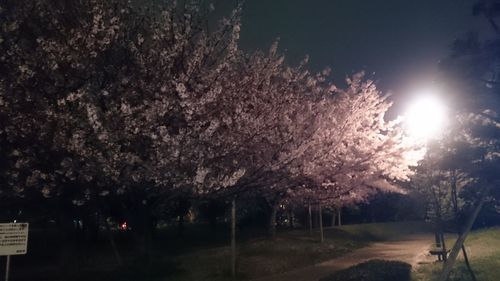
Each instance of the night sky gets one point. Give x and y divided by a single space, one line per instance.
397 42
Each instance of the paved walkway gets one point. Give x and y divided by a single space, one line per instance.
411 249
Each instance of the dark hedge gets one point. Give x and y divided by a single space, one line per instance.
373 270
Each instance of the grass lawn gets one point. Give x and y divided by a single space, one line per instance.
483 247
198 253
260 257
386 231
290 250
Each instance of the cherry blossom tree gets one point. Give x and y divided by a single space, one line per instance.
99 98
354 151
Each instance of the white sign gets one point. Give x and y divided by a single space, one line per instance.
13 239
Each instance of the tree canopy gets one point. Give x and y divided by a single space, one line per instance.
104 99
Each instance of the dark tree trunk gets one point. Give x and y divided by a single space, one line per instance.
469 268
180 225
88 234
112 242
461 239
310 220
233 238
142 228
290 218
454 200
67 240
437 239
315 222
90 227
320 219
212 220
272 220
443 244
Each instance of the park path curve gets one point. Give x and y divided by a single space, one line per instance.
412 249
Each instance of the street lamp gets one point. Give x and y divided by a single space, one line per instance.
425 116
425 119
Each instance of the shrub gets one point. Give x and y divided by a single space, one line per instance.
373 270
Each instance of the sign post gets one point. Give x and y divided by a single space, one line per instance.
13 241
7 268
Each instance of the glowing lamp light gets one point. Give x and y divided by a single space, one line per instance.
425 116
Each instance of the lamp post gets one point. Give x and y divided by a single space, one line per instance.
425 118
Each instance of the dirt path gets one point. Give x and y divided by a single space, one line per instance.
412 249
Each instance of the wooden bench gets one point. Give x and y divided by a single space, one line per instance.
439 253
